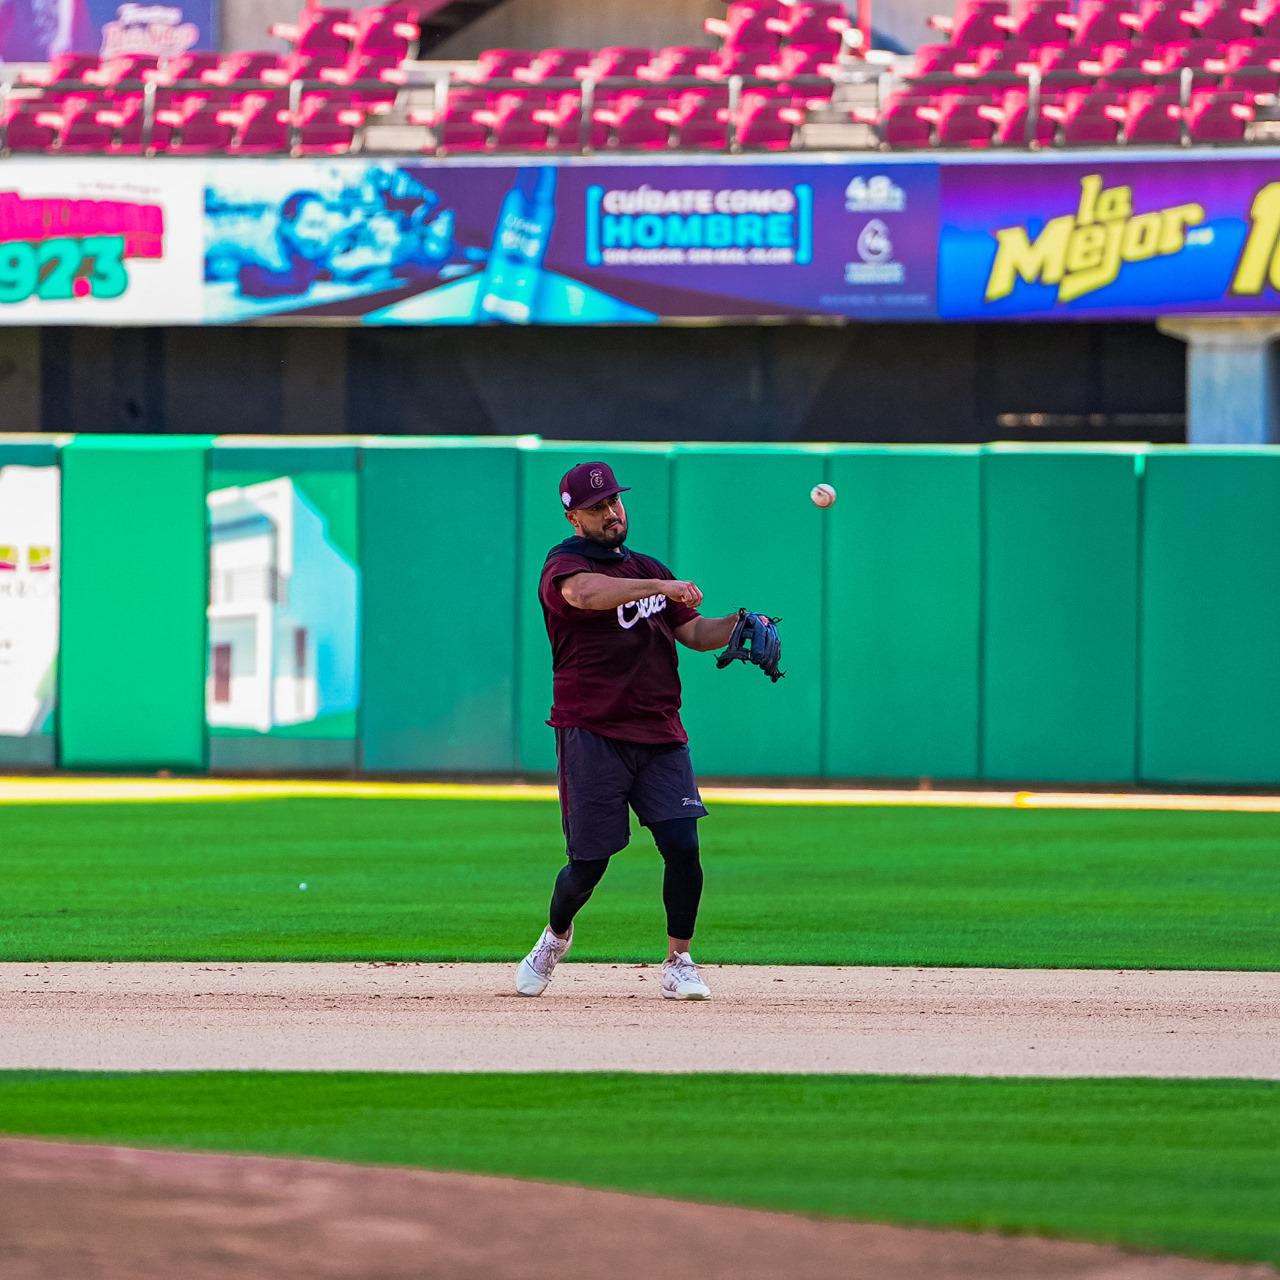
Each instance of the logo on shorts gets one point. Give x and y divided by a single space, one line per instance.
691 800
597 478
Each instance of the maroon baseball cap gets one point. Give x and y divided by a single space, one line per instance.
589 483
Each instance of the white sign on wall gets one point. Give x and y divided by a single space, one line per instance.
101 242
29 558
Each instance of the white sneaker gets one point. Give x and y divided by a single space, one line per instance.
535 970
681 979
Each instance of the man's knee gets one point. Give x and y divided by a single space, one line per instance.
677 839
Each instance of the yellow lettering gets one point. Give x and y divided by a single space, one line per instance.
1114 204
1089 188
1142 237
1173 233
1259 257
1099 266
1085 250
1017 257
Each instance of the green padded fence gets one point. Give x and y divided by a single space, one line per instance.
134 590
744 530
1060 604
440 525
1075 615
1210 704
900 680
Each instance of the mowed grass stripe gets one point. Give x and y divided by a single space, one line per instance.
1185 1166
462 880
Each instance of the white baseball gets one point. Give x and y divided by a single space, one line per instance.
823 495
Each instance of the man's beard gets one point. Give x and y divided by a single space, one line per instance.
614 536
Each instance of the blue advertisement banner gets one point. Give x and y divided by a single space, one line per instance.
1110 238
38 30
390 242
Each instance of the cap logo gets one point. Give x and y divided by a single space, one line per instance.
565 498
597 478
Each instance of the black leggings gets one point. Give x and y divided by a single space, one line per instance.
677 841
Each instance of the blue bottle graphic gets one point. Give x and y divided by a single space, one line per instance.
509 290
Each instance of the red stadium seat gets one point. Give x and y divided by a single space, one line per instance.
1097 22
1035 21
737 62
900 124
31 126
768 125
564 119
798 60
317 31
385 32
1085 117
554 64
1011 129
1218 116
813 25
1222 21
619 60
1151 117
962 122
744 26
1265 17
88 128
497 64
327 130
675 61
635 124
935 59
1160 21
974 23
199 128
64 66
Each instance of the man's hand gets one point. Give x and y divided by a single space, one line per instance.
682 592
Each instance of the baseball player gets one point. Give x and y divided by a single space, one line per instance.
613 617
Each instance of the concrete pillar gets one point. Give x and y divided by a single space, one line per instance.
1233 391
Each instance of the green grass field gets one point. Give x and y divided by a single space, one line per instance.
469 880
1185 1166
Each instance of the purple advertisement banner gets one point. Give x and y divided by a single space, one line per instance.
394 242
1107 237
38 30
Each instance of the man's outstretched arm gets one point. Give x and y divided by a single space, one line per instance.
601 591
705 634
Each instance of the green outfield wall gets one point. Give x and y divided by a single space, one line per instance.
1055 614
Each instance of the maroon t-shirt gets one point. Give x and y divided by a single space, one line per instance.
614 669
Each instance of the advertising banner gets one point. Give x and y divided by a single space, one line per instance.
100 242
397 243
29 559
284 612
1110 238
37 30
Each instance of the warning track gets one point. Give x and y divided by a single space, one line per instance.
600 1017
63 789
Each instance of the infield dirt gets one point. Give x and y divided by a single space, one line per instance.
601 1017
111 1213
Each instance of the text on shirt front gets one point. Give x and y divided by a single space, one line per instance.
645 608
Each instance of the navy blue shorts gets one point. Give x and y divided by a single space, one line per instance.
600 777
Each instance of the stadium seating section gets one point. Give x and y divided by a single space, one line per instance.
1010 73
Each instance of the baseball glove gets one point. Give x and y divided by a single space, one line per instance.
755 639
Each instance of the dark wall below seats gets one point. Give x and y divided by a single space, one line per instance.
894 383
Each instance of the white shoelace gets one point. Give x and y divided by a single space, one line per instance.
547 953
684 970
